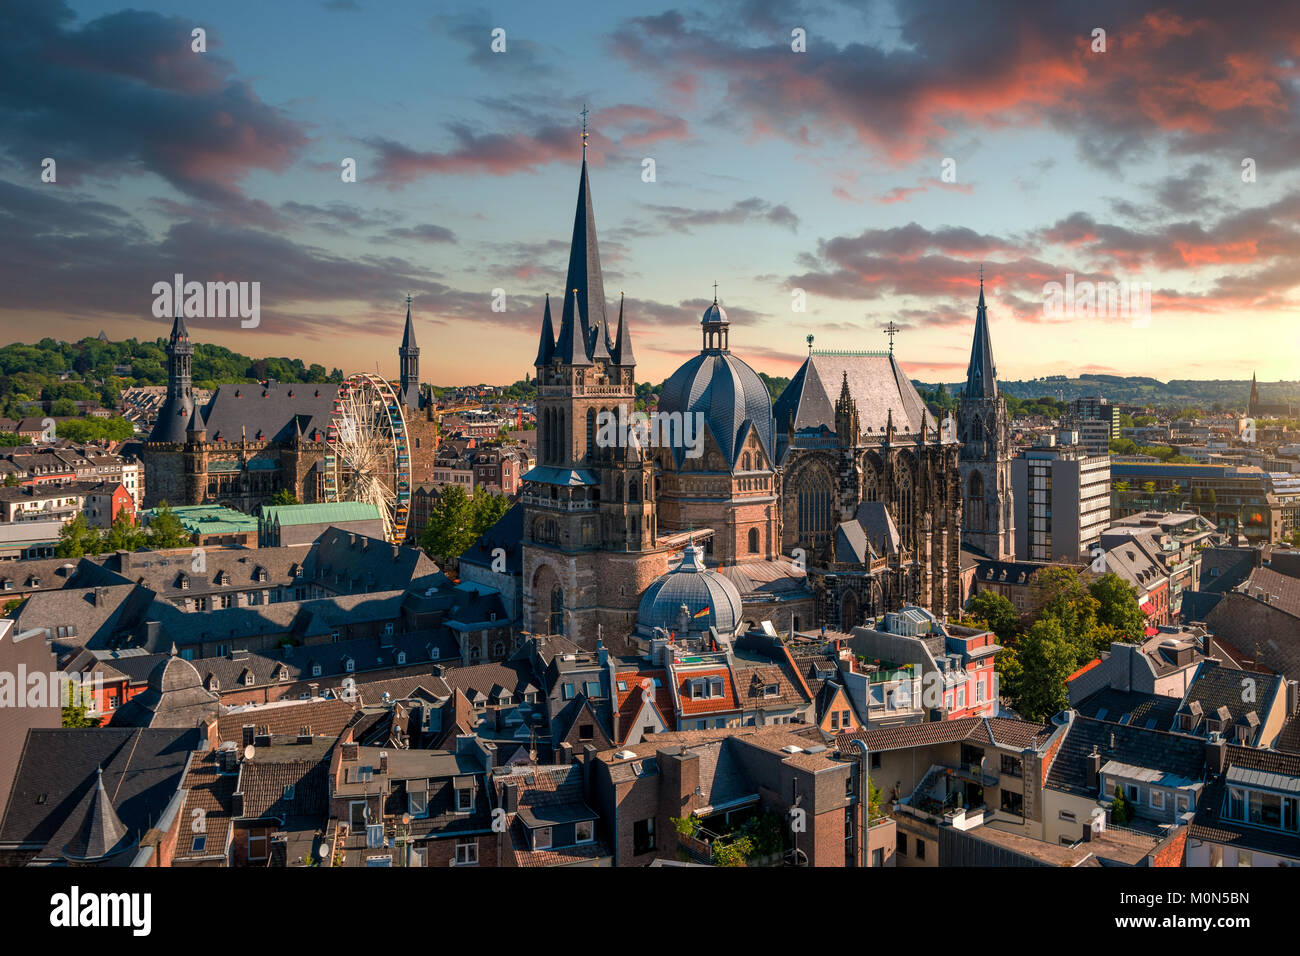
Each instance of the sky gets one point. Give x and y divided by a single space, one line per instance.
863 161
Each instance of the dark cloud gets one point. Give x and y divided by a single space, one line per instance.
125 93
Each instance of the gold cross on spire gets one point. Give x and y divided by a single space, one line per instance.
584 130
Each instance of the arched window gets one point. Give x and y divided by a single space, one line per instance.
744 462
903 501
753 541
634 490
591 431
976 430
850 610
498 649
870 481
815 505
975 502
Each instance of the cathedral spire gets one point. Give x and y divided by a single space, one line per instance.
981 374
623 342
1253 404
586 309
546 346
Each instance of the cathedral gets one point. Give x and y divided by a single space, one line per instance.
253 440
841 501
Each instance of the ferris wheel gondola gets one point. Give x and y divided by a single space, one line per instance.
367 455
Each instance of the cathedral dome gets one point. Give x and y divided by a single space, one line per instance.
693 585
728 394
713 315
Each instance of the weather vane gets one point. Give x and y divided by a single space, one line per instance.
584 130
891 330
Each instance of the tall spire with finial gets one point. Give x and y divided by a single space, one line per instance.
584 131
981 374
408 358
587 308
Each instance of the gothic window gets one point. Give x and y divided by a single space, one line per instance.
975 502
591 431
744 465
634 490
753 541
815 505
976 430
870 481
903 502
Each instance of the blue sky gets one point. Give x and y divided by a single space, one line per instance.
775 171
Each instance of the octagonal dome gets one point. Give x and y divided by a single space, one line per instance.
729 394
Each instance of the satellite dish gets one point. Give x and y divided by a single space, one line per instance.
250 752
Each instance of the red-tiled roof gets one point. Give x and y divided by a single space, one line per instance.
629 701
710 705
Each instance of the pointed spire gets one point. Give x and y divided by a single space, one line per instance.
408 336
571 346
179 332
588 307
546 345
623 342
981 374
196 420
101 832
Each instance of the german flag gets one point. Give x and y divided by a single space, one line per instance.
702 612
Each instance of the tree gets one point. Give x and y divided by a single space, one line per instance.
1047 658
166 531
1120 486
284 497
487 509
74 710
77 539
1148 487
1010 673
450 529
1118 607
11 440
1119 809
63 408
124 534
997 613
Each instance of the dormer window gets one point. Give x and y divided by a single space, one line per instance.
401 657
349 665
315 670
771 690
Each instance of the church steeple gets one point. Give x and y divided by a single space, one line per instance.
1252 406
584 311
409 363
981 374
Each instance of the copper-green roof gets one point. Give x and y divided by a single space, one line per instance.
322 513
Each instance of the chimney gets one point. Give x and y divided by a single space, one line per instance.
383 761
304 735
263 739
510 796
249 732
565 754
1094 768
1216 753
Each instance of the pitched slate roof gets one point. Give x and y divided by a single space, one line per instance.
999 731
1158 750
274 411
325 718
142 770
1217 686
1138 709
877 383
175 697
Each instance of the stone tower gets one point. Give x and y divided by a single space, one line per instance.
984 430
590 537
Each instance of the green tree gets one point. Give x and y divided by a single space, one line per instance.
11 440
63 408
74 710
1010 673
998 613
284 497
1047 657
124 534
1119 808
451 526
486 509
166 531
1118 607
77 539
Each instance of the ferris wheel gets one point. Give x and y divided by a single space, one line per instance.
367 455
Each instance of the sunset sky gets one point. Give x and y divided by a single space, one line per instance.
775 170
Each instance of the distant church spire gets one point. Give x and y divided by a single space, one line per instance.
1252 407
981 374
546 344
409 363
